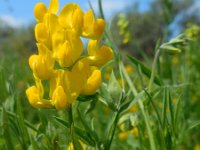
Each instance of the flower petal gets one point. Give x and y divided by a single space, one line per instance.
59 98
93 83
53 6
39 11
34 97
41 33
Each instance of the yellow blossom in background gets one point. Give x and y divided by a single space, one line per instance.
135 132
107 76
175 60
123 25
197 147
134 108
71 146
123 135
174 100
59 42
194 98
120 81
129 69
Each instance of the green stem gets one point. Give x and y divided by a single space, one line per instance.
71 121
141 105
146 119
154 69
101 9
112 131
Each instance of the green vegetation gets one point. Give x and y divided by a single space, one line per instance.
149 98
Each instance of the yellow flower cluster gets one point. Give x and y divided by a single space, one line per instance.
123 25
59 61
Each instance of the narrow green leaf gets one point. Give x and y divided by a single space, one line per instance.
144 69
91 132
24 131
195 124
91 106
171 109
177 111
6 131
14 116
176 41
14 127
3 88
171 49
101 8
114 89
142 96
84 135
164 110
106 98
34 144
87 98
168 139
63 122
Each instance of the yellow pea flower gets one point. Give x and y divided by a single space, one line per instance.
134 109
93 83
135 132
107 76
71 146
57 79
35 96
45 30
98 56
76 79
197 147
92 28
41 34
72 82
40 9
129 69
59 98
42 64
59 40
68 51
123 135
71 17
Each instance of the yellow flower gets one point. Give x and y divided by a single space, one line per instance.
129 69
71 146
175 60
71 18
35 96
92 28
93 83
107 76
135 132
134 108
59 98
40 9
68 51
82 79
59 61
123 135
197 147
42 64
86 79
98 56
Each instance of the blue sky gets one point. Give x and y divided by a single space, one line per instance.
20 12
